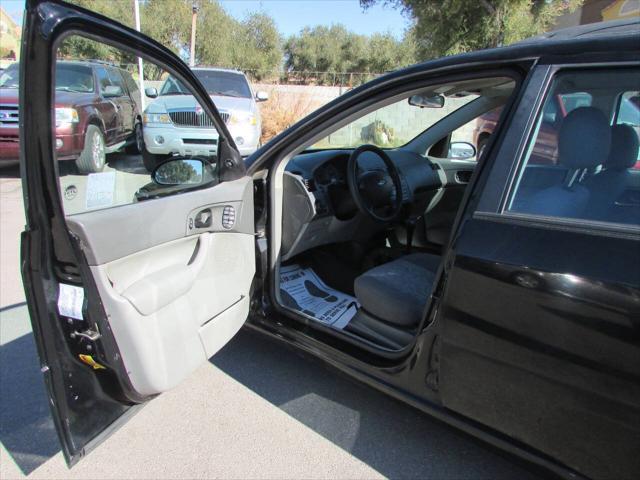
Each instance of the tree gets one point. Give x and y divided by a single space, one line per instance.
261 43
334 54
447 27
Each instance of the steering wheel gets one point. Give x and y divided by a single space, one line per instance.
374 193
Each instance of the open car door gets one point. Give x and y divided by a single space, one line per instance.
132 280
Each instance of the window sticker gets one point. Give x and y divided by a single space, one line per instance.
70 300
100 189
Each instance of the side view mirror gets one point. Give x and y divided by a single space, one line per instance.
262 96
427 101
151 92
461 150
180 172
113 91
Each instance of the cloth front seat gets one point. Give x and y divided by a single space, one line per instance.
583 143
608 186
397 291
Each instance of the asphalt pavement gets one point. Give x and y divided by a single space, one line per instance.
256 410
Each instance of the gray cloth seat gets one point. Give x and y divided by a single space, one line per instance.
397 291
608 186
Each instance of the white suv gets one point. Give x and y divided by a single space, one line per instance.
175 123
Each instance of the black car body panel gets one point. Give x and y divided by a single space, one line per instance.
526 319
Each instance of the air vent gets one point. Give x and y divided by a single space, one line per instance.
309 185
228 217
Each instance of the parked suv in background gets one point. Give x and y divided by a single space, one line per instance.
175 124
97 112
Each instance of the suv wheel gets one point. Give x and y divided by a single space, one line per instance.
150 160
137 146
93 156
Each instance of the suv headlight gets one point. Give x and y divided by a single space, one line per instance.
66 115
243 118
148 118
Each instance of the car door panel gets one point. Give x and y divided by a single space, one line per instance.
160 284
158 221
550 354
169 320
174 294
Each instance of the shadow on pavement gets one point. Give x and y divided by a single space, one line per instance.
27 431
395 439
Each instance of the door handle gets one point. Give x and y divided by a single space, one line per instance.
204 218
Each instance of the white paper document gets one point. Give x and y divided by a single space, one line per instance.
302 289
70 300
100 189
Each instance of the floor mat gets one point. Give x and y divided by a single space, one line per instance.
302 290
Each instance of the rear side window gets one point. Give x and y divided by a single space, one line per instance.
103 78
132 86
579 164
116 79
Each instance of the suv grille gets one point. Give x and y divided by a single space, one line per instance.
9 116
189 118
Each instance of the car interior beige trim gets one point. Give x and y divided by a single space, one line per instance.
174 293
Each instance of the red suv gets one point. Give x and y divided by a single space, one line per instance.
97 113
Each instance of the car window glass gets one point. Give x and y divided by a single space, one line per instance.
74 78
396 124
103 78
116 79
469 141
629 112
107 151
172 86
132 86
218 82
580 166
10 78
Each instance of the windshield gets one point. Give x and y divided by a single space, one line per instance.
10 78
69 78
74 78
216 82
391 126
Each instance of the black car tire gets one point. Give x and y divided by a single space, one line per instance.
136 147
150 160
92 159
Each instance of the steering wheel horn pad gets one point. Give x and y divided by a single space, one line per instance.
375 189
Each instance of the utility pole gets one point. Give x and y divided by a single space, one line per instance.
194 18
136 13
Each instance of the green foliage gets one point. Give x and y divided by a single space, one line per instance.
253 44
447 27
335 49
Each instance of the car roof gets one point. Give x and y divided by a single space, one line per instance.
611 28
217 69
88 63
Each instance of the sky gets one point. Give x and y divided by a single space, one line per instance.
292 15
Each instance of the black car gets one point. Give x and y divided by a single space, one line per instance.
497 294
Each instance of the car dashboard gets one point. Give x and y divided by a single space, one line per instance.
318 208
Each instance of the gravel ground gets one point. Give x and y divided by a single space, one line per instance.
256 410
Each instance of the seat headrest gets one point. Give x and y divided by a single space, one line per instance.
584 138
624 148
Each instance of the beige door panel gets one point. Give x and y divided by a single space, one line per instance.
173 295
